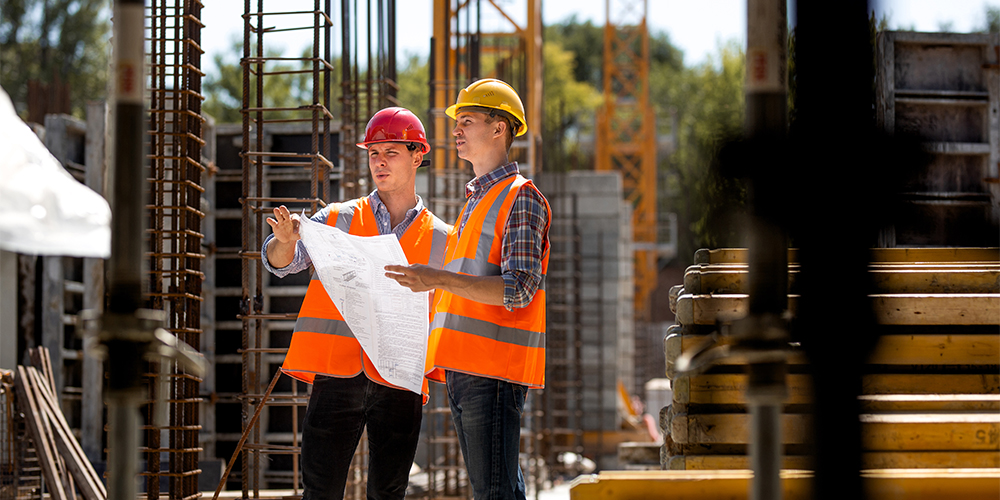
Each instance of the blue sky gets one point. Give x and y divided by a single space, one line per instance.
697 27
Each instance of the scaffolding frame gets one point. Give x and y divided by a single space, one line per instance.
626 133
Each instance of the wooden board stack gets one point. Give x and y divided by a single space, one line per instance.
65 469
931 391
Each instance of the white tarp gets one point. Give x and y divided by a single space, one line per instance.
389 321
43 209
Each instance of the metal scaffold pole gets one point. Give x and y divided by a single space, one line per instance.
768 249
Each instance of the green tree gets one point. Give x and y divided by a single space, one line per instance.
992 19
284 87
569 108
414 87
708 105
42 39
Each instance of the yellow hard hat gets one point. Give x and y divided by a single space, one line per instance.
494 94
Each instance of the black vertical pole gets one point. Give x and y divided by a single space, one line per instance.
768 243
127 249
835 146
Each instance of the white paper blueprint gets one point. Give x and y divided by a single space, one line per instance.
389 320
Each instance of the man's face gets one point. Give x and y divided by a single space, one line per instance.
393 167
472 133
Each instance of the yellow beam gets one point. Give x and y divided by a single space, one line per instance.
869 460
923 484
880 432
890 309
726 280
898 350
936 254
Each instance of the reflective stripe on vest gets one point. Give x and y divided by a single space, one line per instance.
480 339
322 342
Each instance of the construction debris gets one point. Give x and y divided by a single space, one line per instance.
65 468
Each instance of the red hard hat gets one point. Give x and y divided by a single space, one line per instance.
395 125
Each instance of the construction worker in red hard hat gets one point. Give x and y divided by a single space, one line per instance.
348 393
487 340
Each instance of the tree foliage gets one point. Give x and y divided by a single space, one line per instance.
44 39
569 108
414 87
992 19
708 106
224 88
699 107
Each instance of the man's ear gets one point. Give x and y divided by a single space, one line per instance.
501 128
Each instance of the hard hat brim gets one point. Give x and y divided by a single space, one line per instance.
424 147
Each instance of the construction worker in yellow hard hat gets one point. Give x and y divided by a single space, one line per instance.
487 340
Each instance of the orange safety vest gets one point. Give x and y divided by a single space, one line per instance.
322 343
479 339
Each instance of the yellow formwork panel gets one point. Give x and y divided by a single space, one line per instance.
909 484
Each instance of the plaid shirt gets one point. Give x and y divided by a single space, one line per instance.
523 239
302 261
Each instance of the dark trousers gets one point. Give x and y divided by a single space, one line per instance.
339 410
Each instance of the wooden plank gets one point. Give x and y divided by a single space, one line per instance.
930 459
918 432
935 281
730 389
92 400
893 350
933 254
731 428
681 485
730 462
927 383
929 432
676 343
716 389
913 403
923 280
972 349
869 460
933 484
38 431
890 309
91 486
937 309
930 484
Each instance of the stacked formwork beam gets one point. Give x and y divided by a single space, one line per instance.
175 254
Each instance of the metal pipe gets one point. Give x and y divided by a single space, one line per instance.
768 249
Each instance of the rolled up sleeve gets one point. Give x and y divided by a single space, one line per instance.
524 244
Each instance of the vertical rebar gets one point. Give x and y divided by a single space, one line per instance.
175 257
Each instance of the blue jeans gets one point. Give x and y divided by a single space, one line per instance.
487 416
339 409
